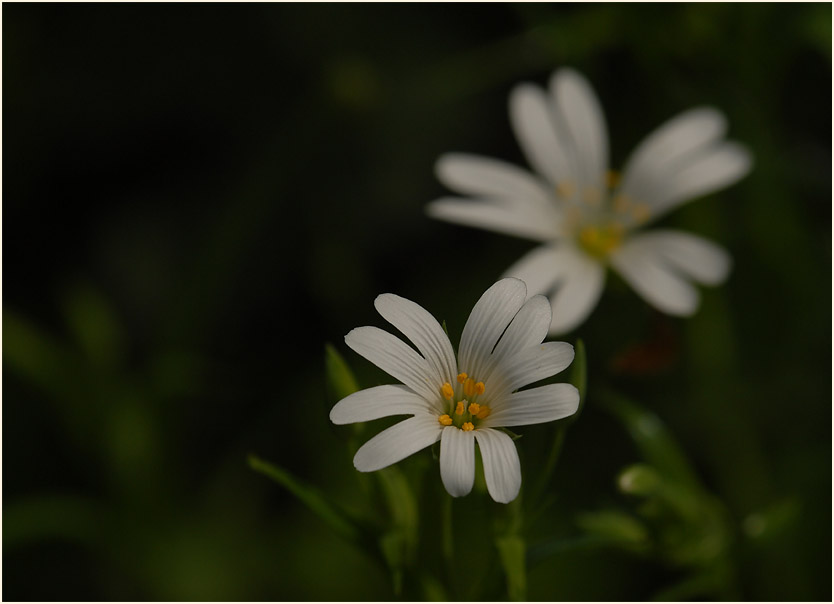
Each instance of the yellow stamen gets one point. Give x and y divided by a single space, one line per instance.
640 212
445 420
467 427
621 204
469 387
474 408
480 388
462 378
591 196
601 241
459 410
483 412
612 178
565 189
447 390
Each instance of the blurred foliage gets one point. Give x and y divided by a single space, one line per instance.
196 199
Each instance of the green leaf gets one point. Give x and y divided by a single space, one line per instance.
399 542
616 527
340 378
95 326
65 517
312 498
639 479
511 550
654 440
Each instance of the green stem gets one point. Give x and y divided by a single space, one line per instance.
448 537
550 464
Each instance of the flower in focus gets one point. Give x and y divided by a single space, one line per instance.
587 217
461 401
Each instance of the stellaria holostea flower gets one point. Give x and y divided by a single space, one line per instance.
587 217
461 400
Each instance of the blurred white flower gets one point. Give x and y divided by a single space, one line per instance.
461 400
586 216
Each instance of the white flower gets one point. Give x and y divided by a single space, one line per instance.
461 401
588 217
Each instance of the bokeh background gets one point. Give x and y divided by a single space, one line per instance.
198 197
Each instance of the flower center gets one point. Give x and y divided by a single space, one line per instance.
464 412
598 219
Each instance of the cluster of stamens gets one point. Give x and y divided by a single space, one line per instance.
464 411
600 230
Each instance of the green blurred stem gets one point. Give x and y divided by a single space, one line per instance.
314 500
550 464
448 537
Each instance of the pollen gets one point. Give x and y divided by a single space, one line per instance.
480 388
461 408
564 189
447 390
591 196
483 412
469 387
621 204
474 408
467 427
640 212
462 378
445 419
599 242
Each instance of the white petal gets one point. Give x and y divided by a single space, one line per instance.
532 120
487 321
376 402
694 257
680 136
528 328
713 169
536 406
583 118
397 442
643 268
419 326
539 269
502 469
396 358
457 461
525 367
485 177
492 216
581 280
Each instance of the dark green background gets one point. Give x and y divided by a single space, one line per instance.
198 197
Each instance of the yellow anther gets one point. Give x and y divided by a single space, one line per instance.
565 189
591 196
601 241
448 391
612 178
640 212
462 378
474 408
445 420
469 387
480 388
621 204
483 412
467 426
461 408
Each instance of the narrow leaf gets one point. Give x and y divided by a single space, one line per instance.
340 378
311 497
511 550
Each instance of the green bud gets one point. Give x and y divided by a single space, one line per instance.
639 479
